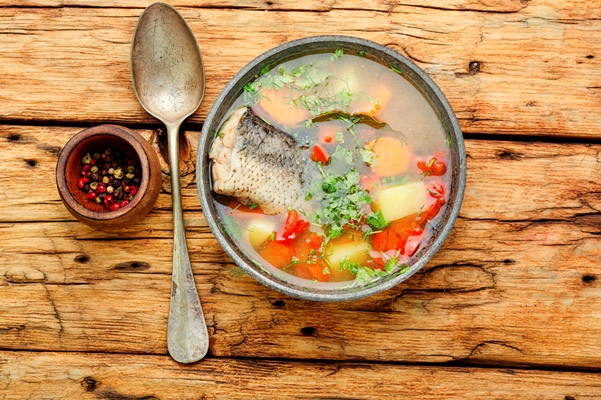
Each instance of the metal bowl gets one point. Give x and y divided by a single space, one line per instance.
372 51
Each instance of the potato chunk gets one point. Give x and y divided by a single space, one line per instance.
398 201
352 251
350 247
258 231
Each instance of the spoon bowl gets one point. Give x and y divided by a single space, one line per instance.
167 69
169 81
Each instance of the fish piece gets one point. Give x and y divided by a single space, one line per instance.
258 163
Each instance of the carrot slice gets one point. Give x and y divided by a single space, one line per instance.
393 156
277 253
310 265
275 103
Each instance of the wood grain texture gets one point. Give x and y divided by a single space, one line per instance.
516 283
97 376
507 67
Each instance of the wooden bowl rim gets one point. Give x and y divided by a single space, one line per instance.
133 139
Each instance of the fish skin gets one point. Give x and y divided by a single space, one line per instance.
258 163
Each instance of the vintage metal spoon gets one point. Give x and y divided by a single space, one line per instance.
169 81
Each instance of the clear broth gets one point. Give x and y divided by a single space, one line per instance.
353 85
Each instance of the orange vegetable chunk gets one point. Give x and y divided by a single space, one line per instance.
393 156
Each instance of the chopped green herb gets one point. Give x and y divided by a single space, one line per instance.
376 220
264 120
254 205
364 274
361 54
342 202
391 264
394 180
337 54
344 154
272 236
398 71
293 262
264 70
368 156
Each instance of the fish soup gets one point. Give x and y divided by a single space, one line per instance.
330 170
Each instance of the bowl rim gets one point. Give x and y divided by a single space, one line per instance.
434 94
132 139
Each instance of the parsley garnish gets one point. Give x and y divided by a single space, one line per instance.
338 53
342 202
369 157
343 154
376 220
316 92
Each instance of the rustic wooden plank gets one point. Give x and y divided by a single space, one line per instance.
566 10
523 68
517 282
506 181
497 293
93 376
30 155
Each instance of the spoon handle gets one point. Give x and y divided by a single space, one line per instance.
187 336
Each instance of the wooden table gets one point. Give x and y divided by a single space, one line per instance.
509 308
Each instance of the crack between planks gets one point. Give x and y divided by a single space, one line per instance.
455 364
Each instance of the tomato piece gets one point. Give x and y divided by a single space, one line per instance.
326 134
438 169
431 211
319 155
367 181
421 164
290 224
437 190
433 167
294 225
381 240
277 253
412 245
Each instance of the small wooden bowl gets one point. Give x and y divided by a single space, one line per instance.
134 147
